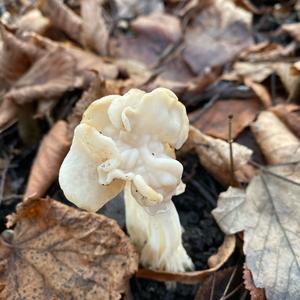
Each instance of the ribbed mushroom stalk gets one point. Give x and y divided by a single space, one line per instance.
129 141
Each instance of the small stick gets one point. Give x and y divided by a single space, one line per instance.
230 141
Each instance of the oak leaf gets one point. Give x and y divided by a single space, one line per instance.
268 212
59 252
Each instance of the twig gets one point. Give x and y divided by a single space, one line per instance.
230 141
3 178
212 287
233 291
229 283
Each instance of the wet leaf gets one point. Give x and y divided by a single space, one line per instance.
58 252
268 212
53 148
214 120
215 262
277 142
214 155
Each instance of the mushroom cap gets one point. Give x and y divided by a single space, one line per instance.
126 138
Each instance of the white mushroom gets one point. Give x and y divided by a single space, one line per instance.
130 140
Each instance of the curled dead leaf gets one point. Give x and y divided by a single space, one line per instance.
215 157
255 293
214 120
53 149
215 262
59 252
277 142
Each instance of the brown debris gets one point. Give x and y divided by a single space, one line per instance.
214 120
255 293
59 252
277 142
51 153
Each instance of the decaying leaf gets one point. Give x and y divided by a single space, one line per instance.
214 120
220 26
95 32
16 55
214 287
58 252
48 78
256 293
214 155
8 112
52 150
62 17
277 142
289 115
215 262
268 212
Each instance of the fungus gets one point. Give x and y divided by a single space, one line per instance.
127 142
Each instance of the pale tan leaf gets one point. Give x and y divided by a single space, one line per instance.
216 261
261 92
214 155
268 212
16 55
59 252
62 17
95 32
8 112
48 78
277 142
293 30
51 153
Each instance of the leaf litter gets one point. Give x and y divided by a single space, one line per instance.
53 57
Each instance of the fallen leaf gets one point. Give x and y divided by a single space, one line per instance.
293 30
59 252
16 55
255 293
216 262
289 114
151 35
129 9
94 28
220 26
268 213
8 112
214 120
48 78
53 148
214 286
214 155
277 142
260 91
62 17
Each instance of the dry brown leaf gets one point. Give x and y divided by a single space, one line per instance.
293 30
8 112
214 155
277 142
255 293
62 17
151 36
48 78
268 212
220 26
216 262
288 115
16 55
213 288
51 153
94 29
260 91
59 252
214 120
